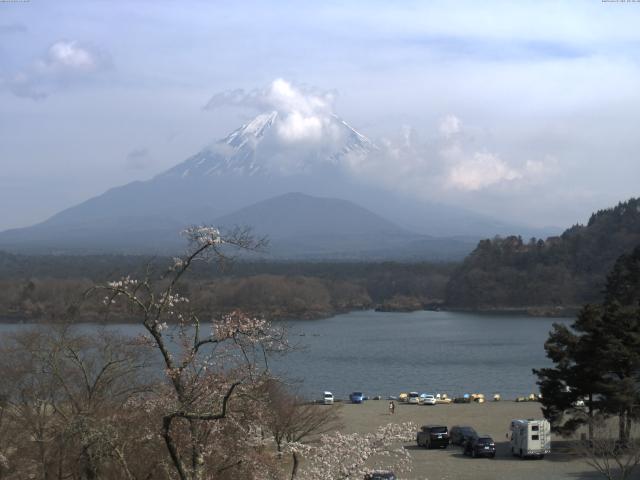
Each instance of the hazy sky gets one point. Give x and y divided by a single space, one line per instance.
527 111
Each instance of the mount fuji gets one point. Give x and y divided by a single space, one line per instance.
229 181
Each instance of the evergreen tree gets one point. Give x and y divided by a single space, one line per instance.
597 360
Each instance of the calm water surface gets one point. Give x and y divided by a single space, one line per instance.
386 353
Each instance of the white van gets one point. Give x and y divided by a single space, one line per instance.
530 438
327 398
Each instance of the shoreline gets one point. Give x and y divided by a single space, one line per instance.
546 312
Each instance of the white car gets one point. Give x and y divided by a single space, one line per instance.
414 397
428 399
327 398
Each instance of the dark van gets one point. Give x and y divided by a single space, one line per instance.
433 436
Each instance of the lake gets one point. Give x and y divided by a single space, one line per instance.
382 353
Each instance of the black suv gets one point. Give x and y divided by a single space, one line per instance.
380 475
481 446
459 434
433 436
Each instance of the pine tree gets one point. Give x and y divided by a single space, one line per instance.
597 359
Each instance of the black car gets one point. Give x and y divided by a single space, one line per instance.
480 446
459 434
433 436
380 475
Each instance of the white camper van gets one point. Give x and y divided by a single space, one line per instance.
327 398
530 438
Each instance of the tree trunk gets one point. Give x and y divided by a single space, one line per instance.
623 431
197 460
173 449
89 470
294 468
590 422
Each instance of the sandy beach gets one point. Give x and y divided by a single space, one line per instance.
489 418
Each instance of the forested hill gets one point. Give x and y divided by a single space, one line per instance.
565 271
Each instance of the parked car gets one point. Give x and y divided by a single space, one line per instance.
443 398
403 397
327 398
480 446
433 436
414 397
459 434
464 399
427 399
380 475
356 397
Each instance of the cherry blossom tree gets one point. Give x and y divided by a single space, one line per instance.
191 398
208 404
352 455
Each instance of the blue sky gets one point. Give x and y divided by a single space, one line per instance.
524 110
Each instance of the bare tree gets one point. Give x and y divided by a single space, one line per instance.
64 394
291 419
610 457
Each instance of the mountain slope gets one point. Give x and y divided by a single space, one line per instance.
563 271
302 226
255 149
250 165
300 215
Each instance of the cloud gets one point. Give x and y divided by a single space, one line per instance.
12 28
450 125
305 114
65 62
71 57
448 163
138 159
480 171
451 159
298 127
279 95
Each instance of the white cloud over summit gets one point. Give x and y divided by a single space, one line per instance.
449 160
306 114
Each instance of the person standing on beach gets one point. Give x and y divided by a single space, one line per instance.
392 407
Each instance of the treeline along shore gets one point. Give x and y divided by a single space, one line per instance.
552 276
44 288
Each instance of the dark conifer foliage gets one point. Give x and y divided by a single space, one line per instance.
564 271
597 361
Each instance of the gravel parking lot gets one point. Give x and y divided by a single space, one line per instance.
489 418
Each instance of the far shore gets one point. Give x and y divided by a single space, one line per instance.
548 312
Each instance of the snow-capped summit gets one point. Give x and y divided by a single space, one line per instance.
254 129
356 142
259 147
